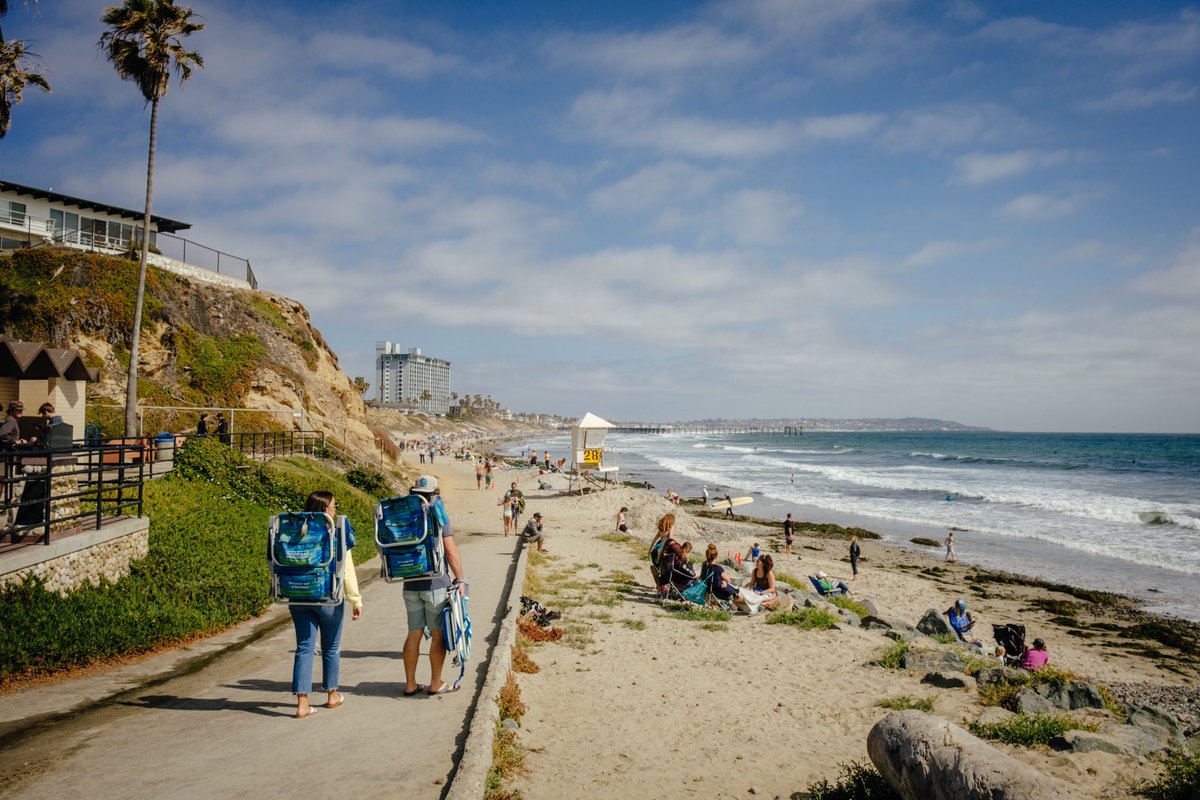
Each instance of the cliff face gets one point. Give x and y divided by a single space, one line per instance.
202 345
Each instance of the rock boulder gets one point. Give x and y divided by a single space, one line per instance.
934 624
933 661
924 757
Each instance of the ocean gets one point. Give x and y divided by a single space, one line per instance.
1116 512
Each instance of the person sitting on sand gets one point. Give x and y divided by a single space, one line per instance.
960 619
683 574
1036 657
829 587
753 553
665 526
998 654
622 526
762 582
713 574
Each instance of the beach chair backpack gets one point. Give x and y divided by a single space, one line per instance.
307 557
408 532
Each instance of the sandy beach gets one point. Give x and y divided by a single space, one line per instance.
634 699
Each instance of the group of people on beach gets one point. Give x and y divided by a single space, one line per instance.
963 623
423 603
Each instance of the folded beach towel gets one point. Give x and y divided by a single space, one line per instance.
751 599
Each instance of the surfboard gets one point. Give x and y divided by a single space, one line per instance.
721 505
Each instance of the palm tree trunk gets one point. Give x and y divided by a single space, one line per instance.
131 383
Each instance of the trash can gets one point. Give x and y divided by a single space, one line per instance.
164 446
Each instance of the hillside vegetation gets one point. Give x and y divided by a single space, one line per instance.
203 346
206 569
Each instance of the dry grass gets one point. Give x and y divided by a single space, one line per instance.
522 662
509 700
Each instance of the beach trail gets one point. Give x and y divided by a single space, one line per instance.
226 729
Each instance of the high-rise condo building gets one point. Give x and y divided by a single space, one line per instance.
407 376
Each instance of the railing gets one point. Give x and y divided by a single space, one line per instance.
206 257
68 489
168 245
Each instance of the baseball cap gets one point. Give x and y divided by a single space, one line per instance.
537 514
962 604
821 575
426 484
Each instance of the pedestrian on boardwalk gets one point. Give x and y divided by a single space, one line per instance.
855 552
516 501
506 512
789 534
424 600
478 475
487 476
325 622
222 431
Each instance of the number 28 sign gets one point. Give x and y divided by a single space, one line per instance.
593 455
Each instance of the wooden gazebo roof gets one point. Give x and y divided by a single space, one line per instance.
32 361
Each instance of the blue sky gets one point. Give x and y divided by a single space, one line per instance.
985 212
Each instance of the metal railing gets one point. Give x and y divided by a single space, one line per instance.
68 489
167 245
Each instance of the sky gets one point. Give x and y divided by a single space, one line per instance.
984 212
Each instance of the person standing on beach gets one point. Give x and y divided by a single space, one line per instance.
705 490
728 508
950 555
547 462
478 475
789 534
855 552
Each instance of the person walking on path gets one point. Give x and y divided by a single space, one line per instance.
950 555
789 534
506 512
517 501
478 475
423 602
202 425
325 621
533 532
855 552
487 476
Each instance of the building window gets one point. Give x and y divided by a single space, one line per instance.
12 212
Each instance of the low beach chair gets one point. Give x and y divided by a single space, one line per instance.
841 588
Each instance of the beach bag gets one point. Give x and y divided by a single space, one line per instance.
696 592
656 551
408 532
307 555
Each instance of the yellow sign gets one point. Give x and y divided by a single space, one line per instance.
593 455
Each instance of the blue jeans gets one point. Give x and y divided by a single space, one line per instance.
309 620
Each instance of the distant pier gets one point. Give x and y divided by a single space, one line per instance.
738 428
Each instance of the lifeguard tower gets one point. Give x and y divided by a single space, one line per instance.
587 450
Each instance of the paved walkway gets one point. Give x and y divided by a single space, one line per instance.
225 727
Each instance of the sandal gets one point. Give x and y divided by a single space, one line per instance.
311 710
415 691
341 698
446 689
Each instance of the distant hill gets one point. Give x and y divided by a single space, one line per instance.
901 425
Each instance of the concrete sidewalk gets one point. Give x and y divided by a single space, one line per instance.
215 719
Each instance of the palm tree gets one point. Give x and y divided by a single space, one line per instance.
144 45
15 76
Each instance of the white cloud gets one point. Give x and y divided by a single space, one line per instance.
934 129
934 253
844 126
342 51
1132 98
684 49
979 168
1041 207
657 185
1179 282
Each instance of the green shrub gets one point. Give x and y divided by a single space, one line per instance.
892 657
906 702
805 618
370 481
851 605
855 782
1027 730
944 638
1179 779
206 569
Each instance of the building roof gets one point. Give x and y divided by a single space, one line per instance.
165 225
31 361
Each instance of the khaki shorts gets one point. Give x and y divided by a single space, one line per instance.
425 608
